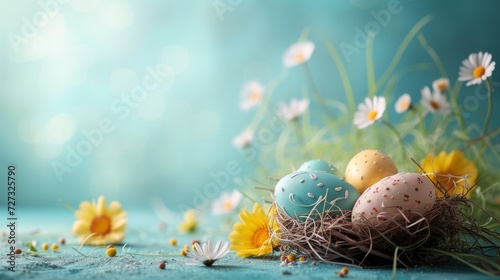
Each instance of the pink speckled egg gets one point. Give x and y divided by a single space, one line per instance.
402 192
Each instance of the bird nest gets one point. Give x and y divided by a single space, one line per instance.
445 232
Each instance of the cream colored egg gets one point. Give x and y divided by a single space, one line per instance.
400 193
368 167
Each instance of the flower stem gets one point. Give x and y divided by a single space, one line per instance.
490 106
298 132
454 91
393 129
271 86
315 91
342 72
421 117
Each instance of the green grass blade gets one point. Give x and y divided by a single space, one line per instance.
402 48
343 73
370 68
432 53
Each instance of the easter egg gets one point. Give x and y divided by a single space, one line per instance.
306 192
368 167
317 165
405 192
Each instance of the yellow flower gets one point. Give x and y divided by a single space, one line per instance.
107 224
189 224
252 236
451 169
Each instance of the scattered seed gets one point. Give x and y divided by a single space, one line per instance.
110 246
184 252
345 270
45 246
62 240
54 247
302 259
340 274
291 257
173 241
314 263
18 251
283 257
111 252
161 265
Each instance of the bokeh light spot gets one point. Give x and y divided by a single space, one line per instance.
60 129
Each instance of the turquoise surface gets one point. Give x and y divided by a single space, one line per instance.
145 236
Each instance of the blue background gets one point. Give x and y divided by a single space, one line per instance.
64 78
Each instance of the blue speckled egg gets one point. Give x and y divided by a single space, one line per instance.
307 192
317 165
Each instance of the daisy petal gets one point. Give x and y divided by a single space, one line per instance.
471 72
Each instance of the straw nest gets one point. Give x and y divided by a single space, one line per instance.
445 232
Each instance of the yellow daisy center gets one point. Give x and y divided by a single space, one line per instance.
435 105
227 205
299 57
255 96
100 224
260 236
442 86
372 115
478 72
404 104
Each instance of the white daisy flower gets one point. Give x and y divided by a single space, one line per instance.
243 140
403 104
369 112
251 95
226 203
477 68
441 85
296 109
298 53
435 102
207 254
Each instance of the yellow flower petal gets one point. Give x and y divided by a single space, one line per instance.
84 215
450 170
94 218
88 207
101 206
114 208
96 241
119 225
250 237
120 215
115 237
81 228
